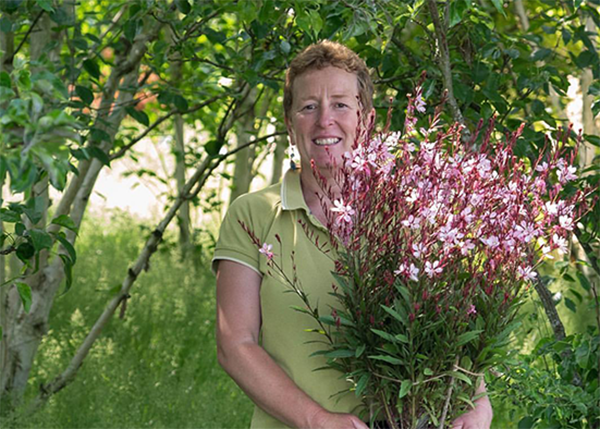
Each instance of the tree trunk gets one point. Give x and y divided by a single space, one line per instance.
20 327
244 159
586 152
281 143
28 329
183 215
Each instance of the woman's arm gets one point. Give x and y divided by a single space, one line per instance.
240 355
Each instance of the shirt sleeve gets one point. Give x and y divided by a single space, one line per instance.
234 243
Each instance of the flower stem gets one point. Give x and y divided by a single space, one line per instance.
448 397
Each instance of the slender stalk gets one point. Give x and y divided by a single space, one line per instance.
448 398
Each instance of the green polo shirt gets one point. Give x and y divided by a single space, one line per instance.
277 210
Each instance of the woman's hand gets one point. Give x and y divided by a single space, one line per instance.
479 417
323 419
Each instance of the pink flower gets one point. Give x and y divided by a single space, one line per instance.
526 273
418 249
471 310
543 167
432 269
412 222
266 250
491 242
566 222
412 273
419 103
345 212
560 243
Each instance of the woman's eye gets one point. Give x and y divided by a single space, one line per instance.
341 105
309 107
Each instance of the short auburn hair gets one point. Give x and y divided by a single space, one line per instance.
324 54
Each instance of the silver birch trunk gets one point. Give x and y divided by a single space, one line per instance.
586 150
15 368
183 215
242 174
281 143
28 329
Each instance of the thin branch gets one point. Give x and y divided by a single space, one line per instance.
448 397
31 27
445 66
159 121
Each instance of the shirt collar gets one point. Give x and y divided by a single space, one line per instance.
291 192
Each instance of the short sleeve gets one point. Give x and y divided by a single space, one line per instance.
234 243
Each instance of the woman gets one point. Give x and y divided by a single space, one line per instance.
262 342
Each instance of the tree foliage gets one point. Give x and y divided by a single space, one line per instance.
82 83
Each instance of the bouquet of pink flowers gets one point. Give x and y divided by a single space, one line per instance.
435 241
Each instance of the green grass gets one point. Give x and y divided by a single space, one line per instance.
157 367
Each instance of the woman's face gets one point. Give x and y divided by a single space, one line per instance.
324 114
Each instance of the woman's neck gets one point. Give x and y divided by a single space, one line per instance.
311 189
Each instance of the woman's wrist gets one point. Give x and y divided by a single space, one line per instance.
315 415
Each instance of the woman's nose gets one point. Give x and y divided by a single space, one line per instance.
325 117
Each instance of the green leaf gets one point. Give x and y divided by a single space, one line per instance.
385 335
427 371
361 385
46 5
404 388
399 317
40 239
387 359
541 54
68 247
34 208
138 115
360 350
571 305
461 376
66 221
5 80
180 102
527 423
86 94
585 283
130 29
596 108
98 153
467 337
213 147
25 251
25 294
99 135
92 68
402 338
498 4
595 140
10 216
68 269
20 229
183 6
341 353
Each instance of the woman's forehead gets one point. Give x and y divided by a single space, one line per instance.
333 81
